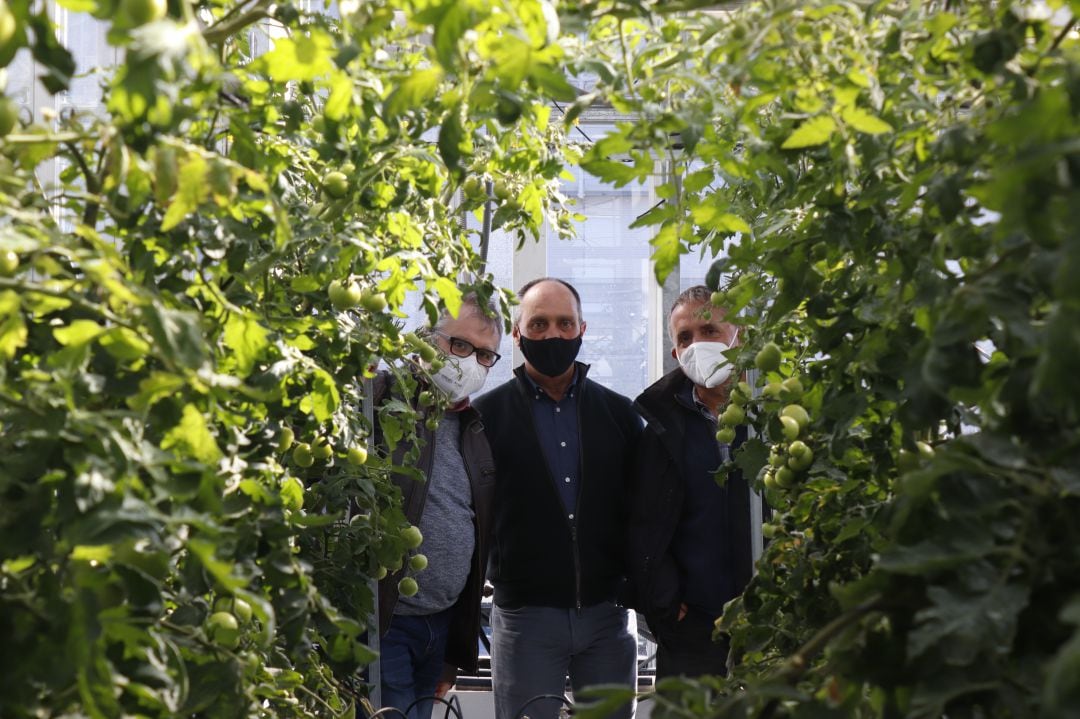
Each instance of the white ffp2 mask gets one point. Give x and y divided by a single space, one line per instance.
705 364
460 377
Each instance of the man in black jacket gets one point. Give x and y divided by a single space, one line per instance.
426 637
690 537
563 446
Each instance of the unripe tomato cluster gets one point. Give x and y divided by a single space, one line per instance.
347 294
224 626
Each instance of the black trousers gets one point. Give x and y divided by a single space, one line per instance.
685 648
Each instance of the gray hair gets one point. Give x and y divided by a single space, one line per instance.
472 305
697 293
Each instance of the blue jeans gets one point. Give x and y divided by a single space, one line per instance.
411 661
534 648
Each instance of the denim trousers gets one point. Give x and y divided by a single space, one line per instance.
533 649
411 661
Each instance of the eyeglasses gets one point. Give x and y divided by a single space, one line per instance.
464 348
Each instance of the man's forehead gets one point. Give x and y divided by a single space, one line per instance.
549 298
693 314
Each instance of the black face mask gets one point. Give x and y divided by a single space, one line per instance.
552 356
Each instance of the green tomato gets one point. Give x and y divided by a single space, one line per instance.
473 188
427 352
140 12
725 435
501 190
302 455
9 110
772 390
236 606
344 296
907 460
8 25
718 299
800 456
9 262
223 630
373 301
785 478
380 573
285 439
793 388
426 398
357 454
336 184
418 562
412 536
321 448
790 428
768 358
733 416
797 413
925 450
407 587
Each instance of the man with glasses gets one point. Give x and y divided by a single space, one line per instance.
428 636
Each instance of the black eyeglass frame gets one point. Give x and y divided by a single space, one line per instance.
470 347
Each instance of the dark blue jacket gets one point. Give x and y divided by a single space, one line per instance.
658 494
540 557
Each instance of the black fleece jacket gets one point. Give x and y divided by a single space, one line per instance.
539 556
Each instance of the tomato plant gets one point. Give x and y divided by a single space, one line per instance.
178 387
892 191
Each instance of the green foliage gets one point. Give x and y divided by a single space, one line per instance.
895 188
166 331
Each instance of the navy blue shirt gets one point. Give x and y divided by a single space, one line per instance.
702 545
557 432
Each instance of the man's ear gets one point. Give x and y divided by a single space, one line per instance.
674 355
583 326
515 334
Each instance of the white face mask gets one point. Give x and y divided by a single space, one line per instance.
460 377
705 364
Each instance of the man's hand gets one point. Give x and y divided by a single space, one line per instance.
682 611
441 688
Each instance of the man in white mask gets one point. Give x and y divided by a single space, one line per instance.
690 543
428 636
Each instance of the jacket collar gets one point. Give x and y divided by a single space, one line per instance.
525 382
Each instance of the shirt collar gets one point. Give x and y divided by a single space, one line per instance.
687 396
538 390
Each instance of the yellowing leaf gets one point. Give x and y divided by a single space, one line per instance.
864 121
192 190
193 436
712 217
324 397
340 96
815 131
154 388
300 58
666 251
449 293
78 333
246 338
12 326
414 91
92 553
